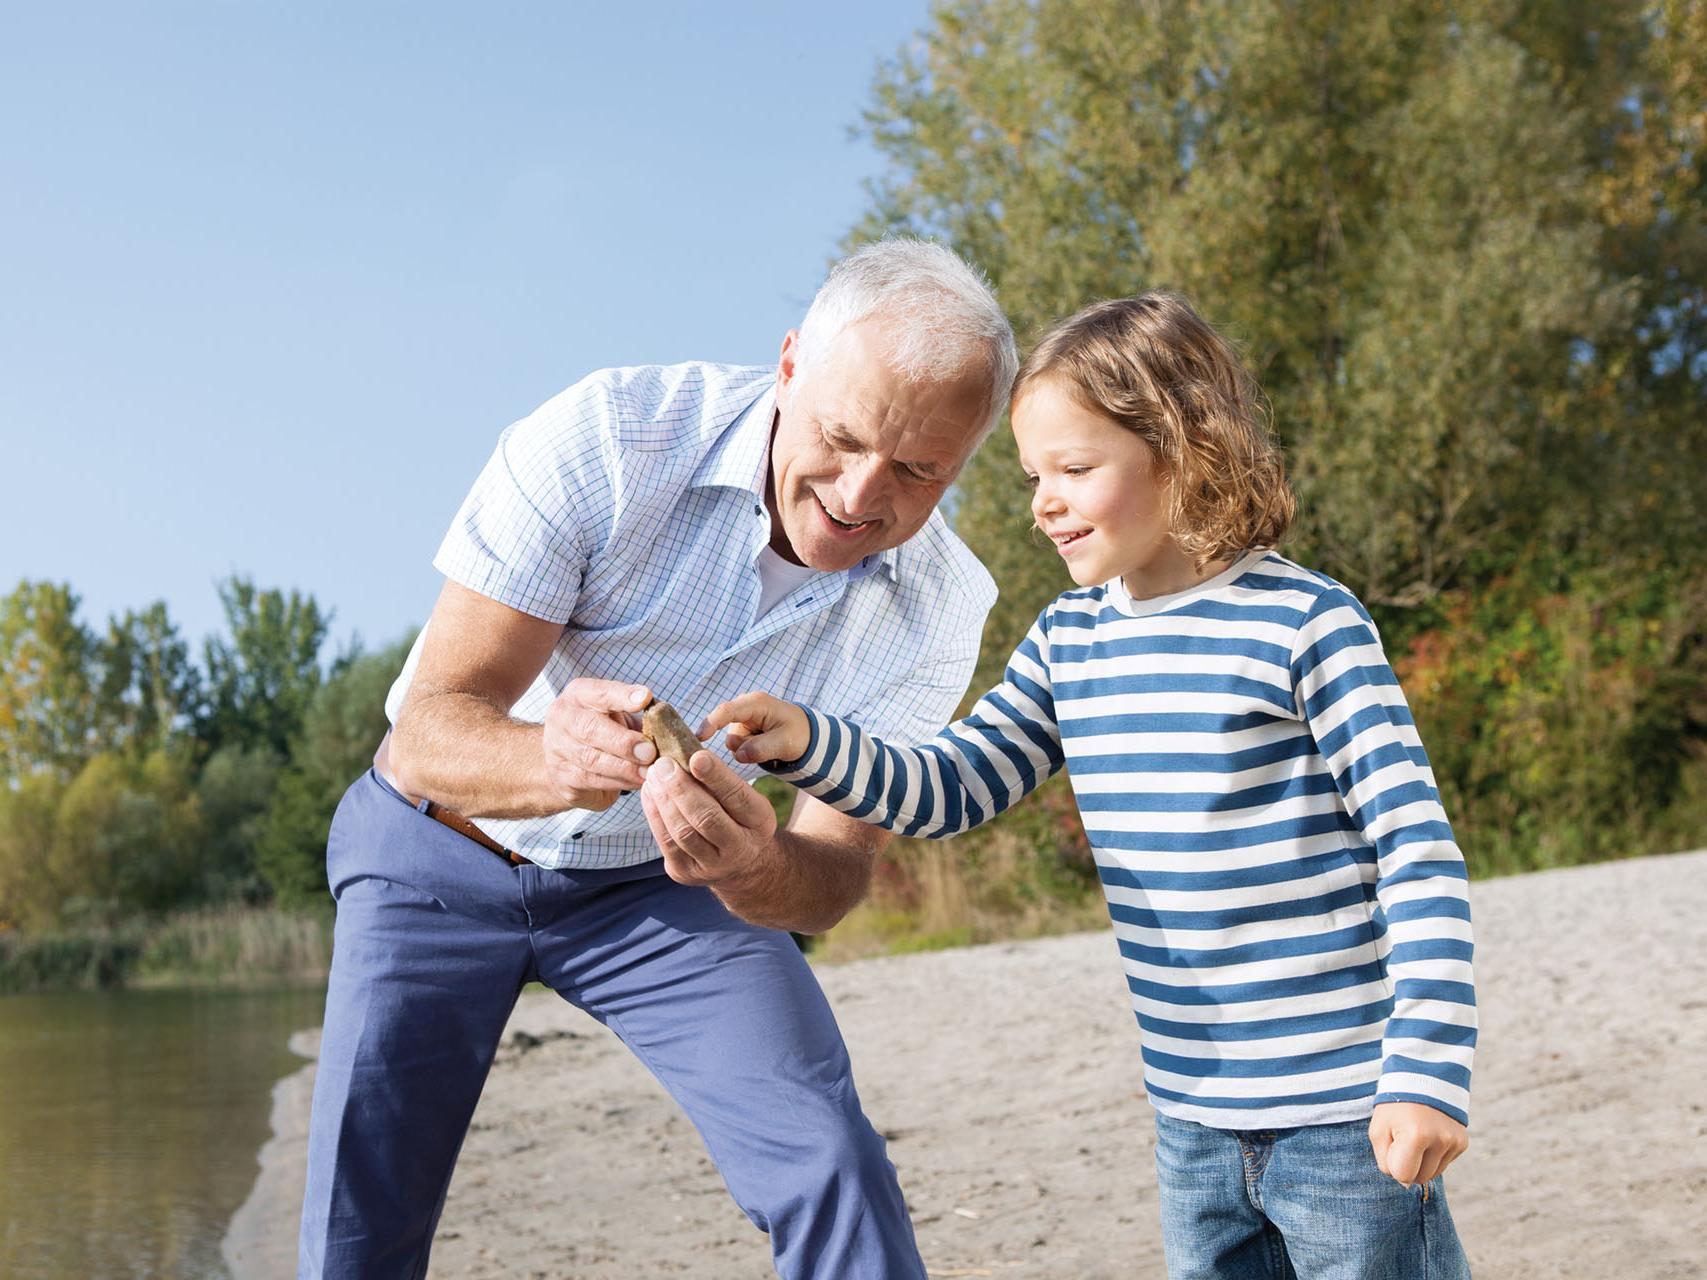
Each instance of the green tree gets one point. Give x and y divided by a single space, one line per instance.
262 678
236 789
1461 246
32 889
49 708
339 734
149 685
123 842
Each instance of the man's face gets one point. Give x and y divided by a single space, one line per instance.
861 456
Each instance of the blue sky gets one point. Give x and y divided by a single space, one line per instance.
274 276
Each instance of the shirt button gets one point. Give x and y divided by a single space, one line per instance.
577 835
758 510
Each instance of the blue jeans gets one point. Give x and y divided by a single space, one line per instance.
435 937
1303 1203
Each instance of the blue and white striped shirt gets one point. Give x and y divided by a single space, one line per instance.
631 509
1289 903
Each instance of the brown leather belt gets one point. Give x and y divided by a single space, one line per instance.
438 813
463 827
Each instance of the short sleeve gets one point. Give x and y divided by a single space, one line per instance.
523 533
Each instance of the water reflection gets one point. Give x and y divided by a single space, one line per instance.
129 1123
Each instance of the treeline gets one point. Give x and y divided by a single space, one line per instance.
142 778
1462 246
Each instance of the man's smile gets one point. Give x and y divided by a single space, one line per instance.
841 527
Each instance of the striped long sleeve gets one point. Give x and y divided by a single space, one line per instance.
967 774
1289 905
1351 700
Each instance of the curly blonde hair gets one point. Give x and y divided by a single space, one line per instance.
1156 367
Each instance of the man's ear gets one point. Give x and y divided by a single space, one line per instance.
787 362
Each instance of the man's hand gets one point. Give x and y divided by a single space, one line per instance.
1413 1143
711 827
594 749
761 728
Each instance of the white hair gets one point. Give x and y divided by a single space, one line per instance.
939 315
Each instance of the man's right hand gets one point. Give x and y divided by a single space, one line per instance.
594 750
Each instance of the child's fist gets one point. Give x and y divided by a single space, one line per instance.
761 728
1413 1142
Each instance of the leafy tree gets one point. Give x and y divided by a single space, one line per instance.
124 840
236 789
339 734
149 685
261 680
1456 241
1461 245
32 887
49 712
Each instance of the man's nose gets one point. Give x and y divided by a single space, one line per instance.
863 485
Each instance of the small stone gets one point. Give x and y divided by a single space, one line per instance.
669 733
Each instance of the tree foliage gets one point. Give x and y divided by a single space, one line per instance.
137 781
1460 243
342 728
263 675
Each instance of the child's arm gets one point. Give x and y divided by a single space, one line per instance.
1349 696
967 774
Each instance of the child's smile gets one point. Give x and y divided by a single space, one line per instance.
1098 493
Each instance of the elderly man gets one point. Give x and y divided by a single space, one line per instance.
685 533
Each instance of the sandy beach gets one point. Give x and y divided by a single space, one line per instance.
1006 1079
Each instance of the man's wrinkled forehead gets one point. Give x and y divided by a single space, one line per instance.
857 384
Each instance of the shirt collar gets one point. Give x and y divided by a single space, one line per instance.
738 459
741 459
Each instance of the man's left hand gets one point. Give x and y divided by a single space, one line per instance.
709 824
1414 1143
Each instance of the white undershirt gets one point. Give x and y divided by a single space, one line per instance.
777 578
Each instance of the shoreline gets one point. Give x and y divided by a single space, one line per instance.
1005 1078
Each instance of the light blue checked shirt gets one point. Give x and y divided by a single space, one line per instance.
631 509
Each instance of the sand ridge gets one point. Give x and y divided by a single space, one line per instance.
1006 1079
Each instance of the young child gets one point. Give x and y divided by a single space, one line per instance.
1288 899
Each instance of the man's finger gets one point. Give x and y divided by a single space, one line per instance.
695 831
745 805
617 740
684 802
681 866
606 695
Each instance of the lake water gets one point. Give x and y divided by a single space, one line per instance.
129 1125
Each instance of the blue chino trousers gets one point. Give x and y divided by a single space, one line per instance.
436 936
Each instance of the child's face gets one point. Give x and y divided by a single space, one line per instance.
1097 490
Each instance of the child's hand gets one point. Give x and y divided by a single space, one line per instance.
1414 1142
761 728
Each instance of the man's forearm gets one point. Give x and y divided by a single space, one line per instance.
806 884
462 752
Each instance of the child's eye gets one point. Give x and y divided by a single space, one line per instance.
1075 471
1030 481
